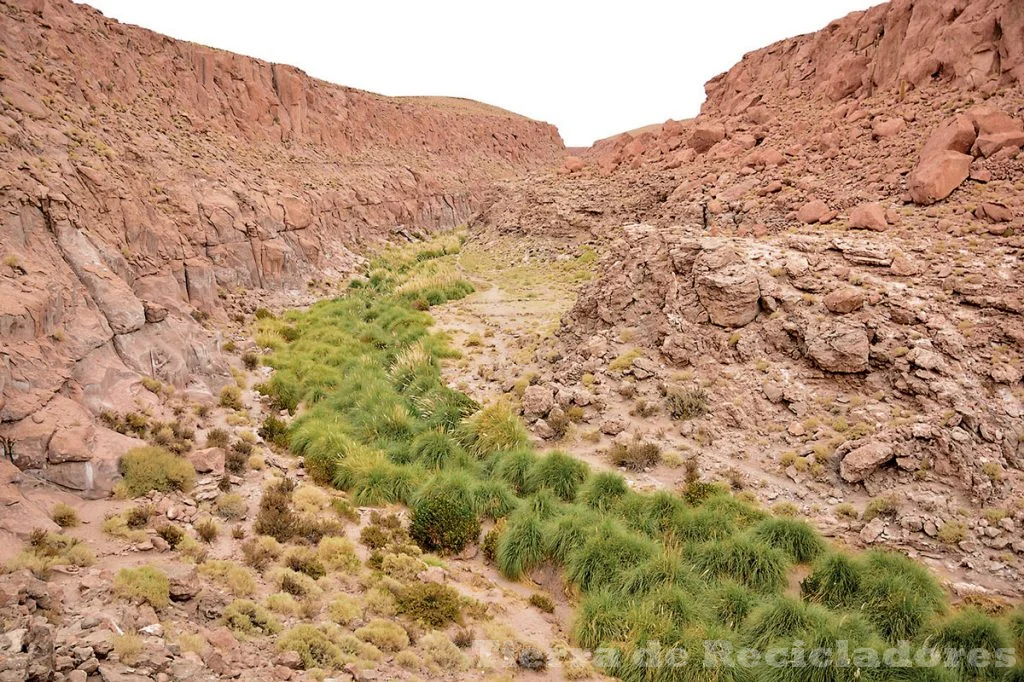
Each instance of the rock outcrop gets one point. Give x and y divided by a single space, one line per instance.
146 181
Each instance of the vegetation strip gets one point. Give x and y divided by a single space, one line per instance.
377 420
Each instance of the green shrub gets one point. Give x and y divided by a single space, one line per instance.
231 506
152 468
260 552
443 518
665 570
836 582
275 516
600 619
250 619
971 630
603 490
431 604
171 534
521 547
894 608
701 525
218 438
568 532
146 584
751 563
314 648
250 360
207 530
492 538
495 428
514 468
273 430
606 553
494 499
64 515
338 554
344 609
796 538
732 603
559 473
435 449
374 537
238 579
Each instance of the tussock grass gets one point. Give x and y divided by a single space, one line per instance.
796 538
521 547
603 490
495 428
559 473
754 564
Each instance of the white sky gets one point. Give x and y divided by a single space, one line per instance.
593 69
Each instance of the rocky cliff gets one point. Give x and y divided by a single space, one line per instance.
144 180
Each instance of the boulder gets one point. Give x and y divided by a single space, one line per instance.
888 127
815 211
937 176
870 216
996 130
861 461
837 345
993 212
573 164
956 134
537 402
705 136
208 460
727 287
845 300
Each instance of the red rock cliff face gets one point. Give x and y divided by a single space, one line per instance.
901 45
141 177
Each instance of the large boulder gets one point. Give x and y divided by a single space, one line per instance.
815 211
844 300
838 345
861 461
936 176
537 402
870 216
705 136
956 134
727 287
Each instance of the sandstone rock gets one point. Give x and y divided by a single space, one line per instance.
815 211
873 530
845 300
537 402
573 164
882 128
937 176
837 345
613 426
208 461
727 287
869 216
956 134
860 462
993 212
705 136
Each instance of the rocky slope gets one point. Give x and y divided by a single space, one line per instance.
144 182
831 251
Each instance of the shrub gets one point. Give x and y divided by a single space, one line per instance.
835 582
218 438
153 468
494 499
238 579
232 506
207 530
751 563
283 603
600 620
275 516
701 525
952 532
495 428
171 534
521 547
559 473
881 506
431 604
314 648
236 459
435 449
489 547
634 456
441 652
294 583
686 402
248 618
796 538
260 552
732 603
305 560
781 617
344 609
402 566
138 516
384 634
530 657
607 552
443 518
250 360
274 431
514 468
542 602
603 490
567 532
338 554
231 398
128 648
64 515
146 584
971 630
463 638
374 537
